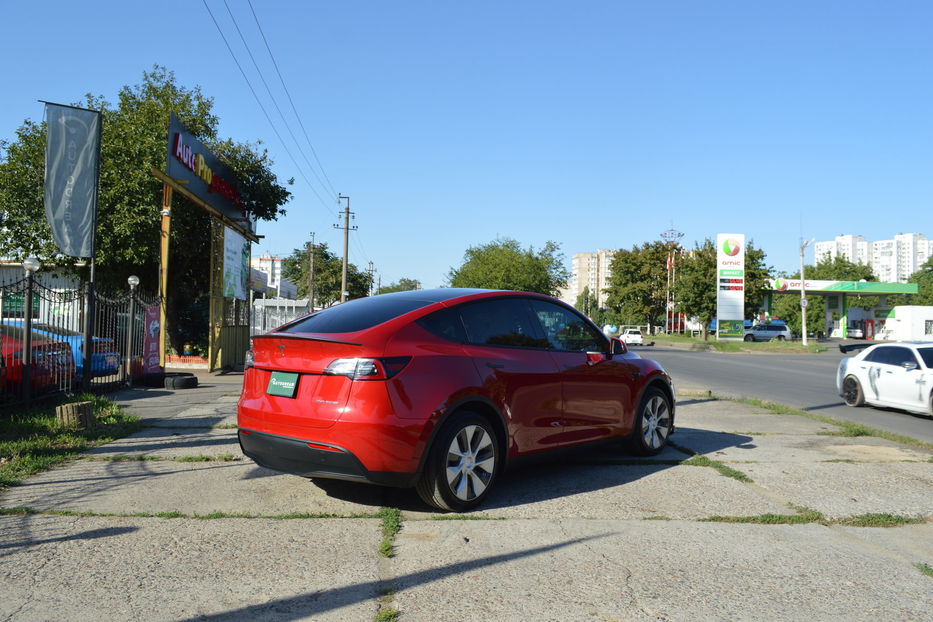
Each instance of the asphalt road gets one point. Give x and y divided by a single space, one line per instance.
806 381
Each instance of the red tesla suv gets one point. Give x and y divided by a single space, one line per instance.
440 389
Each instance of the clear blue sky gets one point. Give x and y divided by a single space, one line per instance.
593 124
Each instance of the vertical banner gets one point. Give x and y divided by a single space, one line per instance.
236 264
72 149
730 285
151 340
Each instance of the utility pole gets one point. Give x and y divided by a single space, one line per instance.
371 271
803 291
346 246
311 274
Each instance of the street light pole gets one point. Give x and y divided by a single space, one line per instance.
803 291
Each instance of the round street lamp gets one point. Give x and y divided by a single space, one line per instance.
31 264
133 280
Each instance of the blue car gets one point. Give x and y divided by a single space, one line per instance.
105 359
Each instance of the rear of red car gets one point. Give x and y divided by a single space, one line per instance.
335 404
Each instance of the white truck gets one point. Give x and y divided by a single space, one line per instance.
908 323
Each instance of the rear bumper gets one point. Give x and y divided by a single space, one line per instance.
298 457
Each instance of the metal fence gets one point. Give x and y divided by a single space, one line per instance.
49 348
268 313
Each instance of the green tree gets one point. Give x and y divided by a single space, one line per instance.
328 275
588 304
503 264
924 280
402 285
637 284
134 139
787 306
695 286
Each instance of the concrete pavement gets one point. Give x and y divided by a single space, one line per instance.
174 524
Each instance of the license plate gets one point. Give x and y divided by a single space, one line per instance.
282 383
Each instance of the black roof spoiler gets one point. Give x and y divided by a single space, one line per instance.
853 346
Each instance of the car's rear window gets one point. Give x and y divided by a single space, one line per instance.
356 315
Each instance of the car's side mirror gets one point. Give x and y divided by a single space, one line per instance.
909 365
618 346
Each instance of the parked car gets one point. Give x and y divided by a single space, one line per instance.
105 357
632 337
895 375
767 332
854 333
52 361
441 389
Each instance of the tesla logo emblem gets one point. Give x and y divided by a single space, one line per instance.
281 350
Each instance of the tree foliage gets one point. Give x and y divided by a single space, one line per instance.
328 275
696 282
134 140
503 264
787 306
402 285
637 284
924 280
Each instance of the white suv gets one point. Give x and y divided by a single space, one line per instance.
631 337
767 332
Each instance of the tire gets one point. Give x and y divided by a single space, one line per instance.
781 338
156 379
749 338
462 465
653 424
180 380
852 393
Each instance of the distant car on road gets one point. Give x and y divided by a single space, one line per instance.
631 337
767 332
52 362
895 375
854 333
105 358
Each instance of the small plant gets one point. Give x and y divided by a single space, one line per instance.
926 569
391 525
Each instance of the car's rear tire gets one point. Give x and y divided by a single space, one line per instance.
781 338
749 338
462 464
653 423
852 393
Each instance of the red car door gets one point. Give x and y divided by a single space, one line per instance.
517 373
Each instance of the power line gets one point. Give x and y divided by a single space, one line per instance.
289 95
263 109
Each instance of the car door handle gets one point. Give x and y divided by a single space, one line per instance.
495 365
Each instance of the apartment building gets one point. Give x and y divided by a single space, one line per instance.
272 267
589 270
893 261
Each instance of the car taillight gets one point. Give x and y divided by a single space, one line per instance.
249 360
367 369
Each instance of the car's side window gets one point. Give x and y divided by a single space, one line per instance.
567 331
893 355
501 322
445 324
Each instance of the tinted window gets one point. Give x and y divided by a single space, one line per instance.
892 355
927 355
445 324
355 315
565 330
501 322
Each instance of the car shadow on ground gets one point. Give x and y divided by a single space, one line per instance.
555 474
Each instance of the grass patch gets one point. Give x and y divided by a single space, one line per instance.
219 458
31 441
22 511
391 525
926 569
723 469
657 518
697 343
464 517
386 614
802 517
878 520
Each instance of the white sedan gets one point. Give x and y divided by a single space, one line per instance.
893 375
631 337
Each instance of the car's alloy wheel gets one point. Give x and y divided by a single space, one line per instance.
462 465
749 338
852 393
653 423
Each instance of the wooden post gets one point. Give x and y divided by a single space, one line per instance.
77 415
163 267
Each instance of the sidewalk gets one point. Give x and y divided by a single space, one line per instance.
590 535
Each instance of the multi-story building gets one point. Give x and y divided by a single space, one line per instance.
272 267
589 270
892 261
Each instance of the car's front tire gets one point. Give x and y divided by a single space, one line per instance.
852 393
654 421
749 338
462 464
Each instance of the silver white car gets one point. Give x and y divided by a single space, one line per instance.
893 375
631 337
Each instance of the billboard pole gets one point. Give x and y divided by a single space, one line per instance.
166 224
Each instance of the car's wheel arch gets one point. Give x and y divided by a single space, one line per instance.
479 405
662 383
